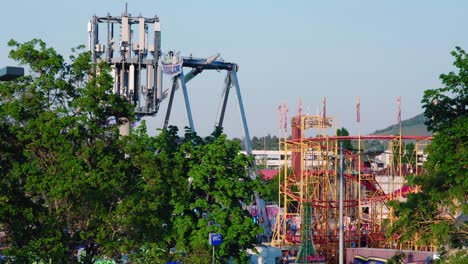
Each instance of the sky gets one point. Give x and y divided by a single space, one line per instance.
286 51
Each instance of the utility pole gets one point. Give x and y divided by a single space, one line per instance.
340 222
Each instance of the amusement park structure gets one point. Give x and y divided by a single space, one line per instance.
132 48
309 220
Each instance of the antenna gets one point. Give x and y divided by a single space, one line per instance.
132 55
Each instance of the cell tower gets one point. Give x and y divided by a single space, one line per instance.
132 47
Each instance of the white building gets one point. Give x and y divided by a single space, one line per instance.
385 157
270 159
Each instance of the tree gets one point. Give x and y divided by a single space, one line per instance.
409 154
270 191
68 173
68 179
444 105
435 214
219 185
264 143
454 257
346 143
397 258
206 185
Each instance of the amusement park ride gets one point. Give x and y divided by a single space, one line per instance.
309 218
133 50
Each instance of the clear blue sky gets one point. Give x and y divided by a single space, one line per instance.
286 50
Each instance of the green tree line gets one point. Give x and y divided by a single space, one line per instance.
69 180
436 215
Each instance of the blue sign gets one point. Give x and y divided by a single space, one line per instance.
215 239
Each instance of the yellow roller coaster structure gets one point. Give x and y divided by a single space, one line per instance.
309 188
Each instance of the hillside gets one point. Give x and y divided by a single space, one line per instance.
411 126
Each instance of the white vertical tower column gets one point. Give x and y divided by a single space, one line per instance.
131 80
141 34
114 76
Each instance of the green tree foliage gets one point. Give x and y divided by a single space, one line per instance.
200 185
454 257
67 177
63 172
373 146
346 143
268 143
409 154
261 143
219 184
397 258
445 105
435 214
270 191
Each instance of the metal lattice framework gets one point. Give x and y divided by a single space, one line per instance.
312 182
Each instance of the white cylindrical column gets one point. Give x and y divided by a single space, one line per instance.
131 79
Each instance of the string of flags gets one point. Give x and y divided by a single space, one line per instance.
283 111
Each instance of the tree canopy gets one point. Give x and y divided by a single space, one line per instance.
436 214
445 105
346 143
68 180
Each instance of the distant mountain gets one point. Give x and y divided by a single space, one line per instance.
412 126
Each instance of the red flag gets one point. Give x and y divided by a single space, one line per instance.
358 109
285 118
299 108
324 110
280 116
399 109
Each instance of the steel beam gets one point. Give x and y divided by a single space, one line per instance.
206 64
169 105
248 149
341 212
181 84
224 99
247 143
187 77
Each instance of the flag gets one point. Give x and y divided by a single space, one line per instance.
285 118
399 109
358 110
299 108
324 110
280 113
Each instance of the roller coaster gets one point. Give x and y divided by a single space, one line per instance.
309 218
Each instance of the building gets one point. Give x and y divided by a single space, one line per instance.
385 158
270 159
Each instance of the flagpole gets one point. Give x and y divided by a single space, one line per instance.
340 208
278 216
400 146
285 167
358 121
